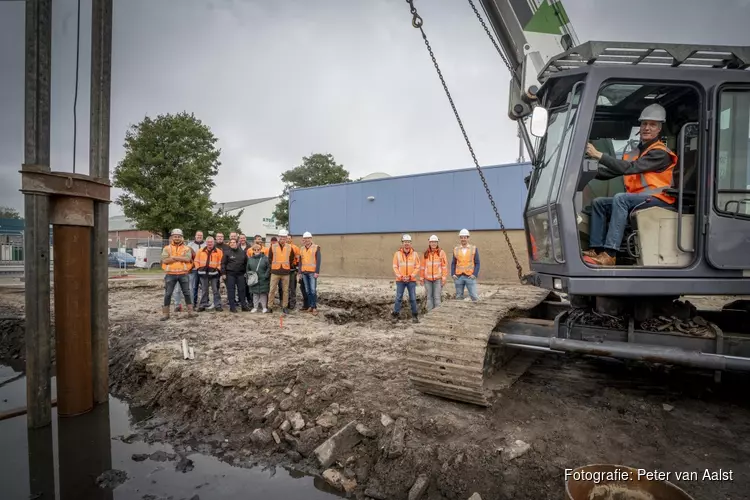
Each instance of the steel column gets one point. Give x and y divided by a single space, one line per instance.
36 212
101 66
72 319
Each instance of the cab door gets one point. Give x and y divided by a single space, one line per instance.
728 210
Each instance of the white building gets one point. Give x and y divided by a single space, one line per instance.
257 216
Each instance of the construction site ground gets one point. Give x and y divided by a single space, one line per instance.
256 378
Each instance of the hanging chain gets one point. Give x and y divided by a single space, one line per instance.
494 42
417 22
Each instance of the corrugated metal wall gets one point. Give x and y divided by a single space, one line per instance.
440 201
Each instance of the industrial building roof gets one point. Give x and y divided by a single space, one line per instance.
236 205
11 226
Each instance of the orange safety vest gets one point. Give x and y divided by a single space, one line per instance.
177 267
464 260
203 260
295 252
651 183
406 265
309 258
281 257
265 250
435 266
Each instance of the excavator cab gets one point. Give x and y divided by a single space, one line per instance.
594 94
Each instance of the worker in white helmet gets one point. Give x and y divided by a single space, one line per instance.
434 271
407 267
309 270
465 267
647 171
176 261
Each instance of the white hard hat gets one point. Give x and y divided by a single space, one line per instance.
464 232
177 231
307 235
283 232
653 112
434 238
406 237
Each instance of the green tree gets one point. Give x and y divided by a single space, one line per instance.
9 213
315 170
167 174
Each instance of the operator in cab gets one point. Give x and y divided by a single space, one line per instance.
647 172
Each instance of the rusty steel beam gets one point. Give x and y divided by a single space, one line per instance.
101 73
36 180
72 248
38 59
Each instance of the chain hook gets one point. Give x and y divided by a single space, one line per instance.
416 20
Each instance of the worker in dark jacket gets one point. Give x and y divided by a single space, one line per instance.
647 172
233 268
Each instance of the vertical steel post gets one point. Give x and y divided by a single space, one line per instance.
72 319
36 212
101 65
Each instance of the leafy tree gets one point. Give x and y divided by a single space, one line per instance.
167 173
9 213
315 170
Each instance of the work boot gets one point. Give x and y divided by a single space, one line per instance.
246 308
603 260
314 311
394 316
589 253
415 319
178 308
190 312
165 313
284 310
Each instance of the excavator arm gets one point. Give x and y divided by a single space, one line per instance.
529 33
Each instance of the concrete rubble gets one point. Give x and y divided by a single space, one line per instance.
338 444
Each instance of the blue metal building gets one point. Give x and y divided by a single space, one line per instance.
435 201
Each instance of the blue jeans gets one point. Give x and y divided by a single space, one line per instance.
193 285
470 284
616 210
211 282
310 283
170 283
400 287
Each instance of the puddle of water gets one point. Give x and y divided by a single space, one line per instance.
66 458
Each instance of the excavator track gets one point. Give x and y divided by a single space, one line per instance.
447 351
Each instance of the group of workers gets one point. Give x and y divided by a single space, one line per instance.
252 272
431 271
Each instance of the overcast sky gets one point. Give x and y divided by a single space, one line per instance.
278 80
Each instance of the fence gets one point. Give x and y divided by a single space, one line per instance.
11 249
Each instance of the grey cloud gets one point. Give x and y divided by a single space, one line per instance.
279 80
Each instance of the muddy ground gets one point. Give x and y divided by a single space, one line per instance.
253 372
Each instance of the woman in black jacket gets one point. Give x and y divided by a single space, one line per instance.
233 268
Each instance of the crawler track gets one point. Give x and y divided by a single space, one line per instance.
447 352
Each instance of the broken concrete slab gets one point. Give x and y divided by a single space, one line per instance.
338 444
366 431
514 450
419 487
339 481
397 445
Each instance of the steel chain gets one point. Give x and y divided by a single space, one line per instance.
494 42
417 22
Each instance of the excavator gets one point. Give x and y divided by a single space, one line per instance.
567 95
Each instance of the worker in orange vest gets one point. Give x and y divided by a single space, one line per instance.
176 261
434 272
293 275
465 267
647 172
309 271
407 267
281 257
208 263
